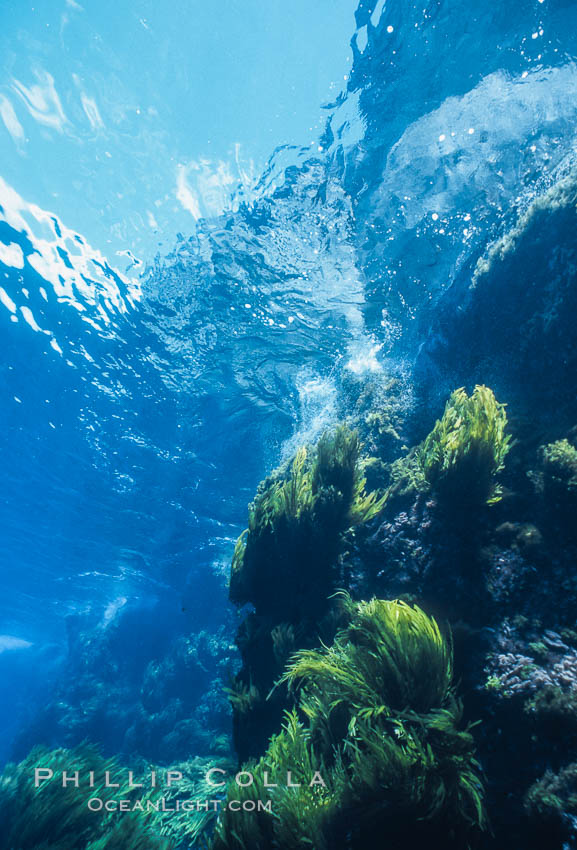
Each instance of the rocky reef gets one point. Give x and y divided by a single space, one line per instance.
475 525
137 687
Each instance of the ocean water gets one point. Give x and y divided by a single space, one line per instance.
186 297
130 382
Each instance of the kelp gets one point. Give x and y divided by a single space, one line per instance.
406 476
52 817
337 480
389 655
377 404
242 697
298 814
283 642
467 447
189 827
285 562
378 718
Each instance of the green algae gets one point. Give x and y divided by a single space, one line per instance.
467 447
554 796
559 465
287 556
378 718
52 817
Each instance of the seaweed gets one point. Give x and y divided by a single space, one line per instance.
298 814
283 642
554 710
337 480
406 476
285 562
551 805
191 827
378 718
390 654
52 817
467 447
377 404
242 697
559 465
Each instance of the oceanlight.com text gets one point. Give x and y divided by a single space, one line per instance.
96 804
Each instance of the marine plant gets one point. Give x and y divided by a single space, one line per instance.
337 480
406 476
192 826
377 716
285 562
554 710
242 697
409 662
298 814
52 817
551 804
467 447
283 642
377 404
559 466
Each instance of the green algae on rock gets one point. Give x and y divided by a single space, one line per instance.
284 563
75 799
53 817
559 463
467 447
462 455
378 721
287 564
551 804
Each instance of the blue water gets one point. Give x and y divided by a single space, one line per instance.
174 321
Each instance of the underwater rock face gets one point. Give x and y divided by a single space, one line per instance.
510 319
287 564
169 707
504 576
501 572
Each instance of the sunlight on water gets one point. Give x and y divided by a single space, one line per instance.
80 276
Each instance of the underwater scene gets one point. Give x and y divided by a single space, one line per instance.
288 452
